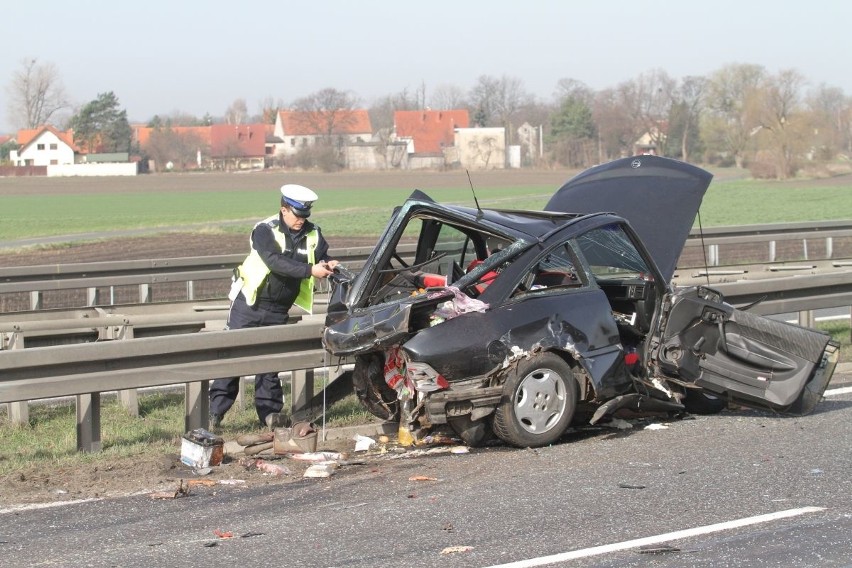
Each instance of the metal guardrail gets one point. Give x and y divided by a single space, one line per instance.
88 369
36 280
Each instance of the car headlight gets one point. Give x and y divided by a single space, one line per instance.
424 377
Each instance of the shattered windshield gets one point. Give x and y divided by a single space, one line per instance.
611 253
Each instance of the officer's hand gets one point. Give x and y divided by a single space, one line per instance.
332 264
321 270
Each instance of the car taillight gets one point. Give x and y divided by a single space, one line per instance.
424 377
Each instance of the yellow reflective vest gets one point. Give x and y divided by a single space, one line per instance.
253 271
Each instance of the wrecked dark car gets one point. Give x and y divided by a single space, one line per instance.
518 323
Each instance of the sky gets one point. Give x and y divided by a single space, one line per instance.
198 56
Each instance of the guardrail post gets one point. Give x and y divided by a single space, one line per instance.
190 290
806 318
771 251
92 297
805 249
19 412
144 294
713 255
35 300
89 422
829 247
196 405
128 398
301 389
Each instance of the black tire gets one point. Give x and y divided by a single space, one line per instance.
698 401
371 389
539 400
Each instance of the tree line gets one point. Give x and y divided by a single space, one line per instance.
740 114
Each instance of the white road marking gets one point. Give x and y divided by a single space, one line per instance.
34 506
686 533
833 392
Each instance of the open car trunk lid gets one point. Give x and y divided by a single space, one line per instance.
658 196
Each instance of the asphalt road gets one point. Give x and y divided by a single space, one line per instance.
743 488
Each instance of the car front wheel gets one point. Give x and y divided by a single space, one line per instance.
539 399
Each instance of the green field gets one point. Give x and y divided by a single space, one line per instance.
358 211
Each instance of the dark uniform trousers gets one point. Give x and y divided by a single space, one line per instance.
268 394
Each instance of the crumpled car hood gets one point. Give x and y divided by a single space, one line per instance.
660 198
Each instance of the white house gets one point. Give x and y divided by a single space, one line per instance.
44 146
297 129
481 148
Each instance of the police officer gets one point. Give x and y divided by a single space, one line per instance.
287 253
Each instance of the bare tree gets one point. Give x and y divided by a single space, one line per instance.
690 97
237 112
616 132
648 101
35 94
574 89
497 102
831 112
730 124
269 108
781 120
328 111
382 111
447 97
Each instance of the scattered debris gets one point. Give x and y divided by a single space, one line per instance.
656 426
197 482
657 549
363 443
422 478
321 470
456 549
223 534
231 481
618 423
317 456
631 486
272 468
201 449
181 491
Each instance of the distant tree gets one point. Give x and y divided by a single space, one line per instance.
381 111
101 126
730 123
575 89
327 111
35 94
831 116
448 97
781 120
167 145
269 108
683 139
237 112
497 102
5 149
572 133
648 102
616 131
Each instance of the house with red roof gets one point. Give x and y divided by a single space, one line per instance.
218 146
299 129
44 146
430 131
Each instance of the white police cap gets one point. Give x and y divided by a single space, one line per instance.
299 198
